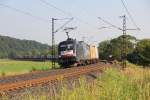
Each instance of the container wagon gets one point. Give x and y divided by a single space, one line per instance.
93 54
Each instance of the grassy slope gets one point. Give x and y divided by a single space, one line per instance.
130 84
11 67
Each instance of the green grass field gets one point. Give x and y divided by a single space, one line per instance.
12 67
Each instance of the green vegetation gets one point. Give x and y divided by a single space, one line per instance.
113 47
12 47
133 83
12 67
141 55
138 51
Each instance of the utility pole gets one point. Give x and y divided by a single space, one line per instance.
53 38
124 41
53 44
124 38
124 45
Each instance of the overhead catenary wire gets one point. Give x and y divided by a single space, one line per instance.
53 6
112 25
69 20
129 14
105 27
66 13
24 12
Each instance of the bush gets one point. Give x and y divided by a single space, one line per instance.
33 69
3 73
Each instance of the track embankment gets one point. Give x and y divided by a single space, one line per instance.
13 83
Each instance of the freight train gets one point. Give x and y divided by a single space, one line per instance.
73 52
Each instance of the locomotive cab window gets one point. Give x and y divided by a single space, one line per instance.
66 47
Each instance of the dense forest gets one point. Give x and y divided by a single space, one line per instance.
138 51
12 47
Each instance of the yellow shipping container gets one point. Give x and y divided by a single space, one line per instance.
93 52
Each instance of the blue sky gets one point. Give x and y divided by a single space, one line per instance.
85 13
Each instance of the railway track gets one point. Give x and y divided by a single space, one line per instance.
34 79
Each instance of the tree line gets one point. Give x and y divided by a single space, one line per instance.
12 47
138 51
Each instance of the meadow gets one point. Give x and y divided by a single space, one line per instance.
13 67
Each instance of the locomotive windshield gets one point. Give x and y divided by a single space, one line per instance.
65 47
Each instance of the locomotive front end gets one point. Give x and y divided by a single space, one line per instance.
67 52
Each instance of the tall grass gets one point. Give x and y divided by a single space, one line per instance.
133 83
